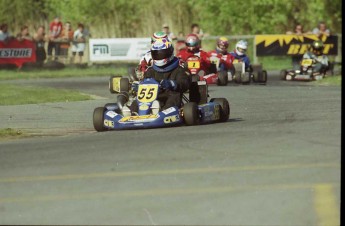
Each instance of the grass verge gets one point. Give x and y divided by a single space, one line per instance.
16 95
9 133
330 81
63 73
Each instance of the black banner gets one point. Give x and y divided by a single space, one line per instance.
282 45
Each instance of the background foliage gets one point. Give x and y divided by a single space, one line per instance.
140 18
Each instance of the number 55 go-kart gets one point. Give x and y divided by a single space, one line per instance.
147 114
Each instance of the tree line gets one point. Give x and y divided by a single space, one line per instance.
140 18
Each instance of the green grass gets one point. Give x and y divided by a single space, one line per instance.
64 73
331 81
9 133
17 95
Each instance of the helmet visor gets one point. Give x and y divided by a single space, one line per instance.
161 54
241 50
192 44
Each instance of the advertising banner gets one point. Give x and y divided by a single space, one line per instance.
282 45
17 52
115 49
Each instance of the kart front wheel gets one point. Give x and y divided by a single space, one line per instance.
191 113
283 74
222 78
98 119
224 111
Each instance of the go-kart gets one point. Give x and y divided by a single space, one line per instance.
147 114
241 75
194 66
304 73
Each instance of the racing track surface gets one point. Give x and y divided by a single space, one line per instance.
275 162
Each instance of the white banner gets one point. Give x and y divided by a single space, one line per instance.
114 49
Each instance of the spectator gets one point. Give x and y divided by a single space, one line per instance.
180 43
24 34
297 31
40 38
296 59
195 29
78 44
66 37
55 29
321 29
4 34
166 30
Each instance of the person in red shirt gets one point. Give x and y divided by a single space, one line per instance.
193 48
221 52
55 29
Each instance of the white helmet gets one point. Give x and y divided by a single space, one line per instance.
241 47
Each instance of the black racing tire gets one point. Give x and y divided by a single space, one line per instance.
124 85
98 119
245 78
191 114
222 78
255 76
224 108
283 74
264 77
238 78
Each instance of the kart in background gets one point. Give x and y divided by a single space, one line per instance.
304 73
194 66
241 75
195 110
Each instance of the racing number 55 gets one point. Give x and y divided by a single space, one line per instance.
147 93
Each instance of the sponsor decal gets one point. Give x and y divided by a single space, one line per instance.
17 52
143 107
169 110
139 118
171 119
111 114
109 123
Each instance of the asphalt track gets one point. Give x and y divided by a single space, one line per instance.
275 162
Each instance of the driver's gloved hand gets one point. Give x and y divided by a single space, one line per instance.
135 86
168 84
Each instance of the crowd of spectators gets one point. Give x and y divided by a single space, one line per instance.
60 42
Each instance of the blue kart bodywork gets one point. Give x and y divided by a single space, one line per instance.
109 117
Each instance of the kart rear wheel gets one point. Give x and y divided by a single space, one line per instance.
224 110
98 119
124 85
245 78
283 74
263 77
191 114
238 78
255 76
222 78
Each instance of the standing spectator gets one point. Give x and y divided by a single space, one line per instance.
166 30
195 29
296 59
78 44
66 37
180 43
4 34
321 29
55 29
40 38
24 34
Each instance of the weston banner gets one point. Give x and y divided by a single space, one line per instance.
17 52
282 45
111 49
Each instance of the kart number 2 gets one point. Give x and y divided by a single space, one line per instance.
147 93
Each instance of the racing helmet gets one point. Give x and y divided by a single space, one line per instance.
241 47
193 43
317 47
162 52
158 35
222 44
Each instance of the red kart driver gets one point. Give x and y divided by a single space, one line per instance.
193 49
221 52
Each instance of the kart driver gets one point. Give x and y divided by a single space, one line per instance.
167 70
146 60
240 53
222 53
320 61
193 48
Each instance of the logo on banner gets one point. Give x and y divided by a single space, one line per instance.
100 49
15 52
